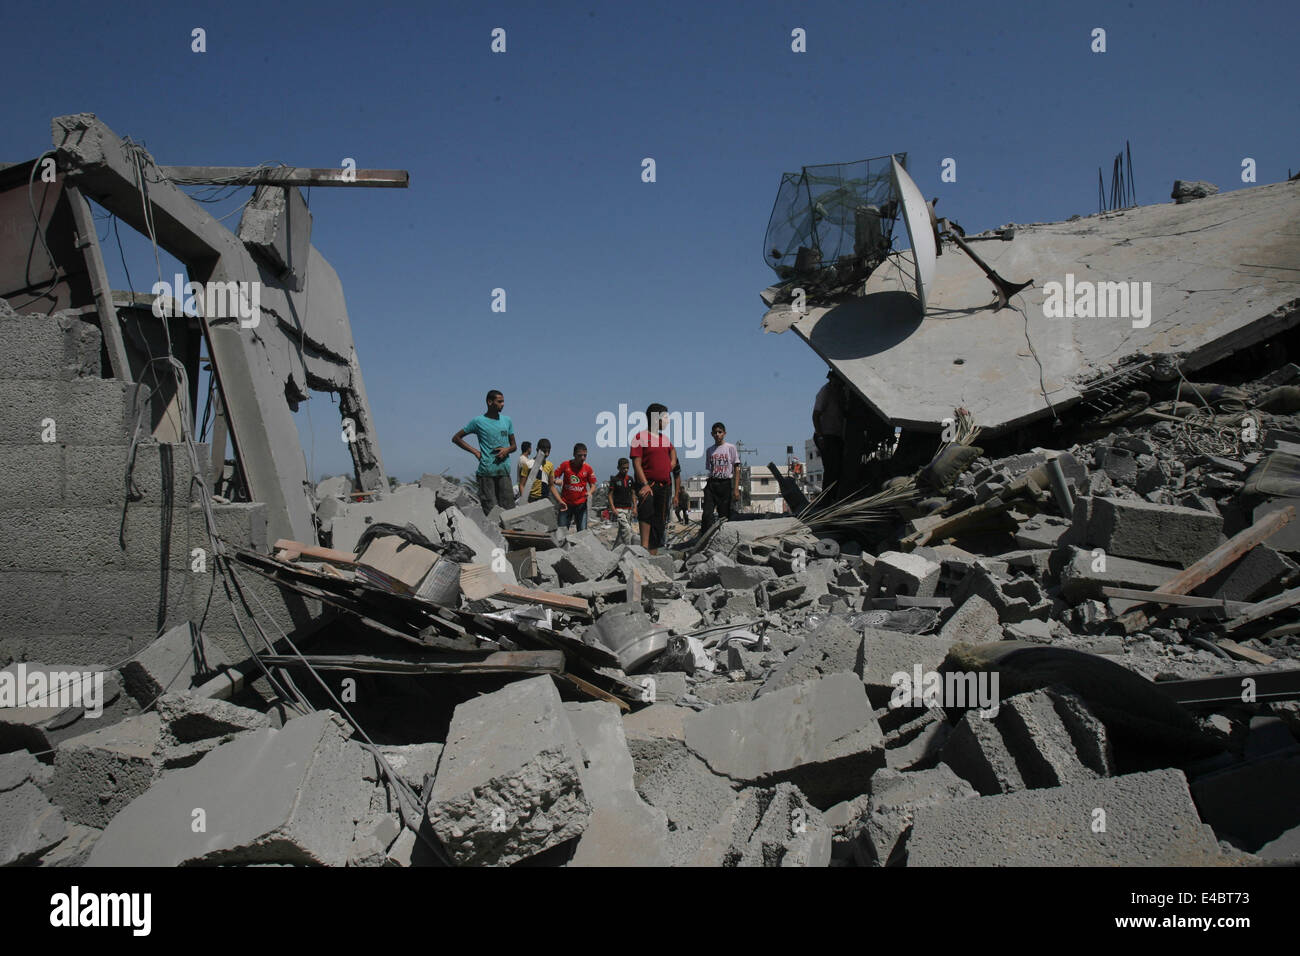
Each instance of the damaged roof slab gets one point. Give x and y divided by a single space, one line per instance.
1222 271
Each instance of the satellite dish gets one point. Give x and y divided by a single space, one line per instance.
920 231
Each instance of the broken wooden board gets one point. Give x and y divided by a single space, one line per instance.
493 662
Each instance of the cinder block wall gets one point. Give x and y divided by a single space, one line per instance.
71 592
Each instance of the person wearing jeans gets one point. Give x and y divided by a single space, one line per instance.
496 442
575 478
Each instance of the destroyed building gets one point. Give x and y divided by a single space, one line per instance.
956 667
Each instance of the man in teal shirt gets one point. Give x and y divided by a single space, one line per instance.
496 442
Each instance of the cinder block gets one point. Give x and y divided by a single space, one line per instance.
534 516
673 779
509 783
896 573
974 622
1080 582
59 705
1149 532
585 561
774 827
895 798
1034 731
820 735
32 476
99 773
60 347
179 659
1015 599
188 719
976 751
291 795
744 576
1259 574
886 653
95 474
87 411
1150 820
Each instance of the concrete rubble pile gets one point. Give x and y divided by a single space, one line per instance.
1078 655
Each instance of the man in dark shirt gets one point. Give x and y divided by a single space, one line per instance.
622 502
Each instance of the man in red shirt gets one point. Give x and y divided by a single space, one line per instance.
654 459
576 478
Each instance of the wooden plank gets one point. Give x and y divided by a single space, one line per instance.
317 553
1162 597
479 581
1245 653
1214 562
591 690
495 662
287 176
561 602
1262 609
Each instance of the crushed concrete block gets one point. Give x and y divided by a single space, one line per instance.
896 573
1150 820
1119 464
1043 533
19 767
1015 599
1261 572
75 848
834 647
653 579
916 743
742 605
1285 849
1084 574
1186 190
585 560
624 830
29 825
679 615
895 798
537 515
886 653
768 828
976 751
291 795
744 576
791 532
459 527
705 571
975 621
1035 733
820 735
99 773
509 784
53 702
1147 532
189 719
1087 734
172 664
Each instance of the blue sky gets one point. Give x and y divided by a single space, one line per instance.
526 168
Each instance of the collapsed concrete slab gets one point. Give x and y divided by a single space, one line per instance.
533 516
509 784
1150 532
886 653
172 664
624 830
99 773
44 704
291 795
1141 819
832 648
820 735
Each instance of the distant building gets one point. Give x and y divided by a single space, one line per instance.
814 468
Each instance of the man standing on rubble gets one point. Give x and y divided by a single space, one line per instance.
828 432
654 458
574 478
621 500
723 485
496 442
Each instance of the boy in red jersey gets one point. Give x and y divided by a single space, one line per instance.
576 478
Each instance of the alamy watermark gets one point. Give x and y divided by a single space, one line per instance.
216 300
1086 299
684 429
951 689
62 689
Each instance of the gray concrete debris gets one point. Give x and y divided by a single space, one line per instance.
1148 532
975 621
976 751
1015 599
895 798
172 664
509 784
339 486
448 493
774 827
1187 190
1259 574
585 559
624 830
18 767
1084 573
535 516
820 735
416 764
188 719
372 838
29 825
99 773
1141 819
75 848
886 653
291 795
832 648
415 505
897 573
1044 747
66 702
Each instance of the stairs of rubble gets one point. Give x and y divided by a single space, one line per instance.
71 592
